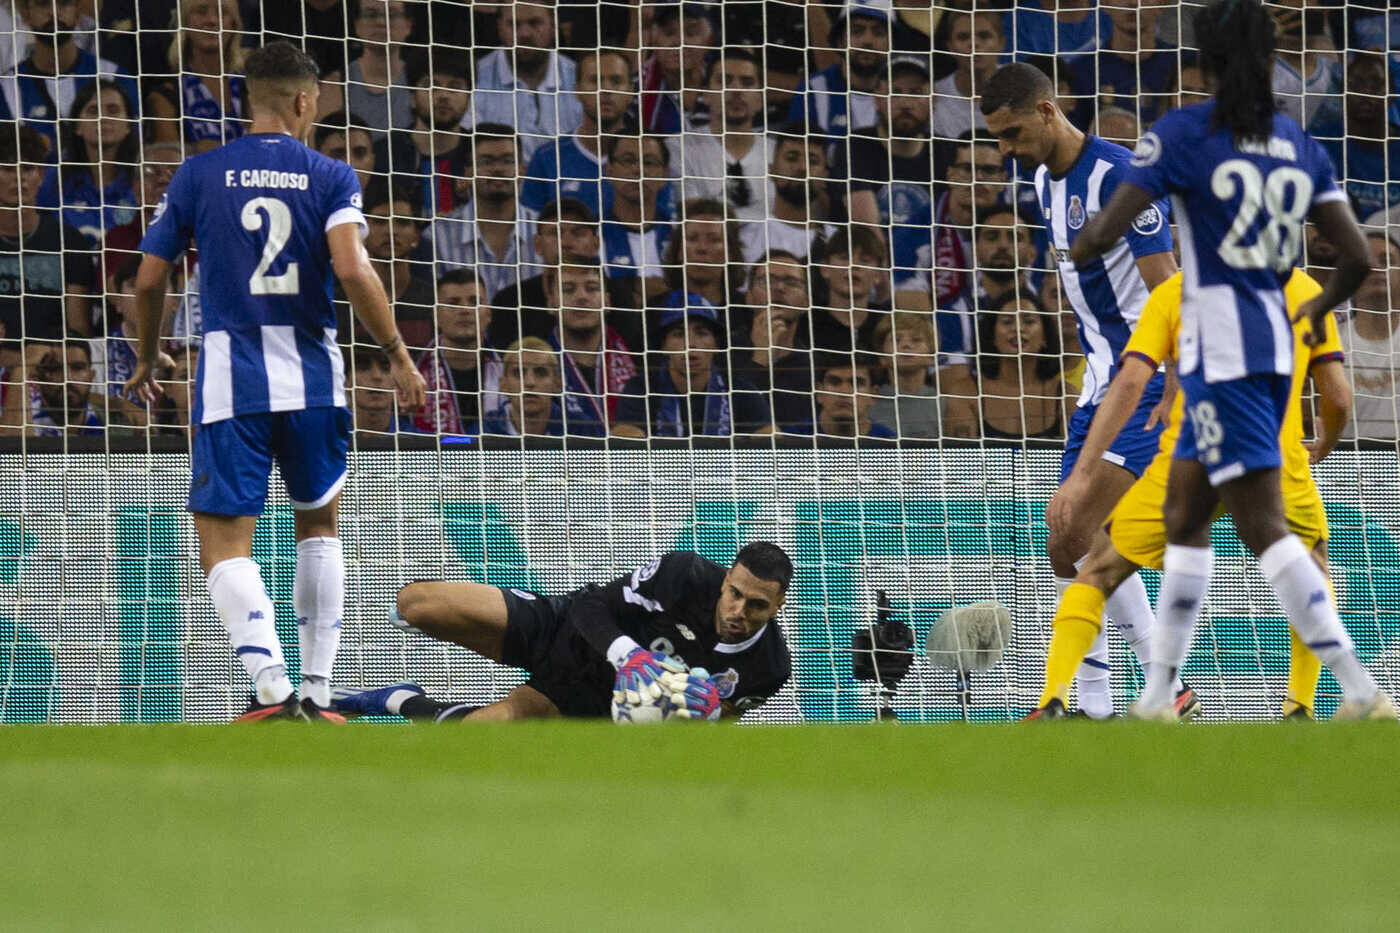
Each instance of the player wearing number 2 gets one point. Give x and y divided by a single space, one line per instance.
1243 180
273 219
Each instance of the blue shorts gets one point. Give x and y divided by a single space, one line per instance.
1133 448
232 459
1232 427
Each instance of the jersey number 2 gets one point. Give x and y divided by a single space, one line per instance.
1279 243
279 230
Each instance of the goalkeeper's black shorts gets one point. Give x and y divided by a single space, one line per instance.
561 664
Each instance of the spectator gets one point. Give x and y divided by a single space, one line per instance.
36 90
679 38
840 98
909 401
394 218
698 261
206 105
462 371
573 167
434 147
1302 98
376 84
850 273
1117 125
530 388
1131 71
1002 245
1068 29
158 163
728 161
641 222
688 395
342 136
372 396
316 25
1058 307
1371 339
1366 148
597 362
845 396
172 414
799 214
95 183
976 40
113 353
57 401
1016 390
941 268
523 83
486 231
46 269
1190 84
890 165
775 359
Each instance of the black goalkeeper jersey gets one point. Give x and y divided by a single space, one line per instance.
669 606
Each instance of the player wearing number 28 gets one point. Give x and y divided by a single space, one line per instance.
273 220
1243 179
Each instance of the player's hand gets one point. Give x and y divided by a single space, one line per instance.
646 676
142 385
1316 312
695 697
1159 414
1059 514
1319 449
409 385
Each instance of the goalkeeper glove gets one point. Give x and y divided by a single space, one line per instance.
695 698
646 676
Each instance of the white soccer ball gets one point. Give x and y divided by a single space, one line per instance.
632 708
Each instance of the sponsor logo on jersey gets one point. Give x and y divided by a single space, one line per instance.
685 630
1149 221
725 683
160 209
1148 151
1076 212
357 201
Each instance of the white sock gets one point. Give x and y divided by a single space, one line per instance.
1185 580
1131 612
318 598
1302 591
236 588
1092 678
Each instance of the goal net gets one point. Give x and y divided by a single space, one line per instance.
678 275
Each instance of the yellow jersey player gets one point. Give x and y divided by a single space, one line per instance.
1135 534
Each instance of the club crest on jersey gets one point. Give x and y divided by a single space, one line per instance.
1149 221
1076 212
1148 151
726 683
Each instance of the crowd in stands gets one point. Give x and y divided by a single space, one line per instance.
656 220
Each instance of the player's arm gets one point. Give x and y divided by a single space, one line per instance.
1155 268
1337 224
371 306
152 277
1105 227
1334 400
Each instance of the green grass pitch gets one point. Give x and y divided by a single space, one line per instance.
568 826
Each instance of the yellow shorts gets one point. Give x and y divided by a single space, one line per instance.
1138 533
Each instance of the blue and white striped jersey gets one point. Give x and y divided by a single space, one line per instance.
1108 294
1240 209
259 209
828 104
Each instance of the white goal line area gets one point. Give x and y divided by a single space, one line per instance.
104 618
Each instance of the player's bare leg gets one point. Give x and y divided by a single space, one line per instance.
1130 610
524 702
239 596
318 599
472 615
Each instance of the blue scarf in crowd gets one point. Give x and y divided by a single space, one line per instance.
669 420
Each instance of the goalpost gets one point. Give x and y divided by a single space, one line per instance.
103 612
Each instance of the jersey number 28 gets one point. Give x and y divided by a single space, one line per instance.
1280 241
279 230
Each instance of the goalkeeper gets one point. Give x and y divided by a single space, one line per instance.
1135 535
626 635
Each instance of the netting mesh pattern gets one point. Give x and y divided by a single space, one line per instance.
104 618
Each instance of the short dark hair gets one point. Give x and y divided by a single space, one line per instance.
570 209
767 561
850 238
20 142
338 122
1018 86
464 275
439 60
281 61
364 357
828 361
381 190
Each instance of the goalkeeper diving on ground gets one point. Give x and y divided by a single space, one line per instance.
695 636
1135 534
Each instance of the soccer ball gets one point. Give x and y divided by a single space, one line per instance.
652 710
